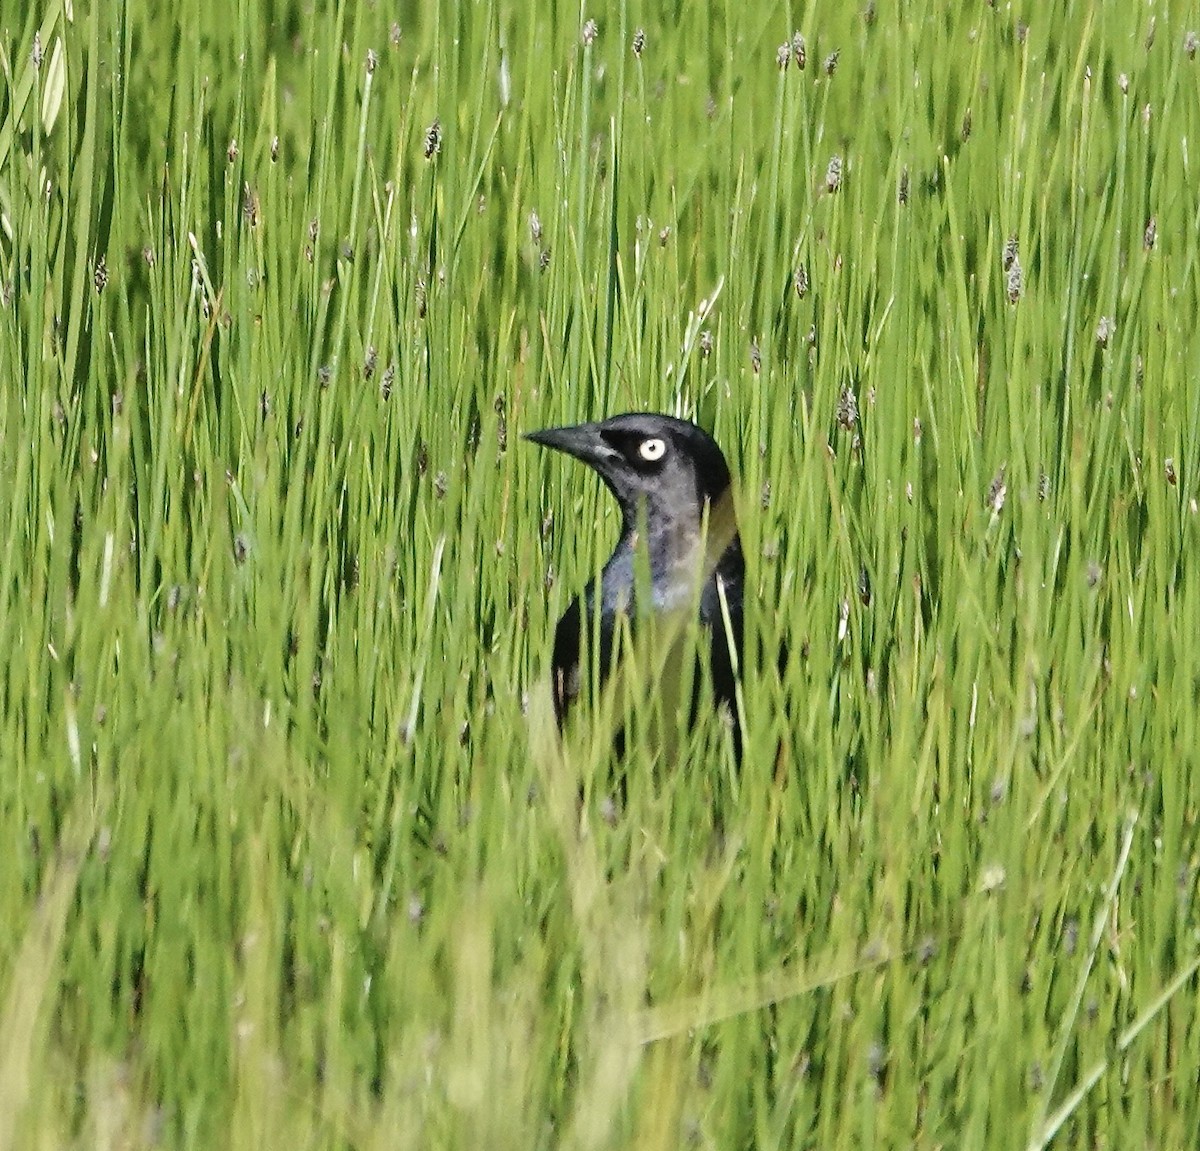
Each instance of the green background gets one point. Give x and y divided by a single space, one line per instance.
289 853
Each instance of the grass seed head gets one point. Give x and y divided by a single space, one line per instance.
833 174
1013 283
847 409
433 139
800 280
1011 251
799 50
997 491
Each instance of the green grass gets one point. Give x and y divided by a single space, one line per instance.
291 853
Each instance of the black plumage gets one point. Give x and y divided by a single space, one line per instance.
670 479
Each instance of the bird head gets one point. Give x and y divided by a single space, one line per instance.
666 465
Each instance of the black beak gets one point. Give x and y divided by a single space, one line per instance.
583 441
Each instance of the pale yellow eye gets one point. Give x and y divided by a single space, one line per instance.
652 450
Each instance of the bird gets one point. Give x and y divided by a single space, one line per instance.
673 487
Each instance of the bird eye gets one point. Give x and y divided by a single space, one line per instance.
652 450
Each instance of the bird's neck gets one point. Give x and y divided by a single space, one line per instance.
674 548
672 534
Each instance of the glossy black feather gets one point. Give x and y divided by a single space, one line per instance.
667 475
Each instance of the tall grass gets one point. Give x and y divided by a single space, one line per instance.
293 855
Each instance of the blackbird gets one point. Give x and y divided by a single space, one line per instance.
673 487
